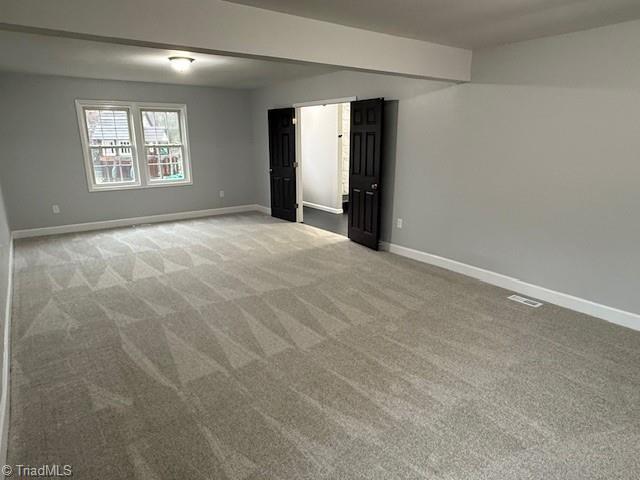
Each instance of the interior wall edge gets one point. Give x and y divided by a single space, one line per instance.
581 305
6 363
262 209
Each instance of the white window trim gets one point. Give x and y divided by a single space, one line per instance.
137 143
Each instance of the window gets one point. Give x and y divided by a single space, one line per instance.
163 145
116 134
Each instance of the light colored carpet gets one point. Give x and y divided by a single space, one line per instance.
241 347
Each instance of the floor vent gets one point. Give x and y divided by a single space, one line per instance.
526 301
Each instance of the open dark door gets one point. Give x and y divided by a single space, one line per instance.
364 171
282 158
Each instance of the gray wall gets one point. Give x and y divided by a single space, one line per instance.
602 58
531 171
42 156
5 239
553 149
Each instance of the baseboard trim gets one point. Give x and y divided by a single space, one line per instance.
6 365
126 222
263 209
323 208
610 314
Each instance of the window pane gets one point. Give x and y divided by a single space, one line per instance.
110 145
173 125
161 127
112 165
107 127
165 163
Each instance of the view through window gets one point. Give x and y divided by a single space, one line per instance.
163 145
109 134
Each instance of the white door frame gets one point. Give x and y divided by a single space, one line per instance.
298 107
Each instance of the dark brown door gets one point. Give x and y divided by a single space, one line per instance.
364 171
282 158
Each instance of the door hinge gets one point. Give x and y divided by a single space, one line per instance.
294 121
297 205
295 164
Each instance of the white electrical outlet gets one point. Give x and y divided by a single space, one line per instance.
55 208
399 223
221 193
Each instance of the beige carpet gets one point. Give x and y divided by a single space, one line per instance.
241 347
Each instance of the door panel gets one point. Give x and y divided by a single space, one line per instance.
356 155
368 209
354 209
370 162
282 157
364 173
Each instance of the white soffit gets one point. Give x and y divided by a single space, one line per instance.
215 26
46 55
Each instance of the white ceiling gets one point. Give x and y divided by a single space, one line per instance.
462 23
40 54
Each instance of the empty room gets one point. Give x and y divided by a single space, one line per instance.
277 239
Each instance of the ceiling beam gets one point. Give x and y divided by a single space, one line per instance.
220 27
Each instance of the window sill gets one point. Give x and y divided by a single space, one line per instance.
116 188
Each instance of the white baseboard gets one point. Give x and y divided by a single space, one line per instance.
263 209
323 208
6 365
610 314
125 222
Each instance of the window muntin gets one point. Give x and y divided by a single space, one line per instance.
112 158
115 135
164 149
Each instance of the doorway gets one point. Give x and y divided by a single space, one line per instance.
364 167
324 164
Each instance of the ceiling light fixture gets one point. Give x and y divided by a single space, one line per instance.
181 64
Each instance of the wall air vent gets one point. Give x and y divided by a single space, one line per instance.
526 301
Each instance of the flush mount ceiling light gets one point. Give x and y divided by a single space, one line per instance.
181 64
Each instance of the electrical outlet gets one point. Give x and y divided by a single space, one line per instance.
56 209
221 193
399 223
